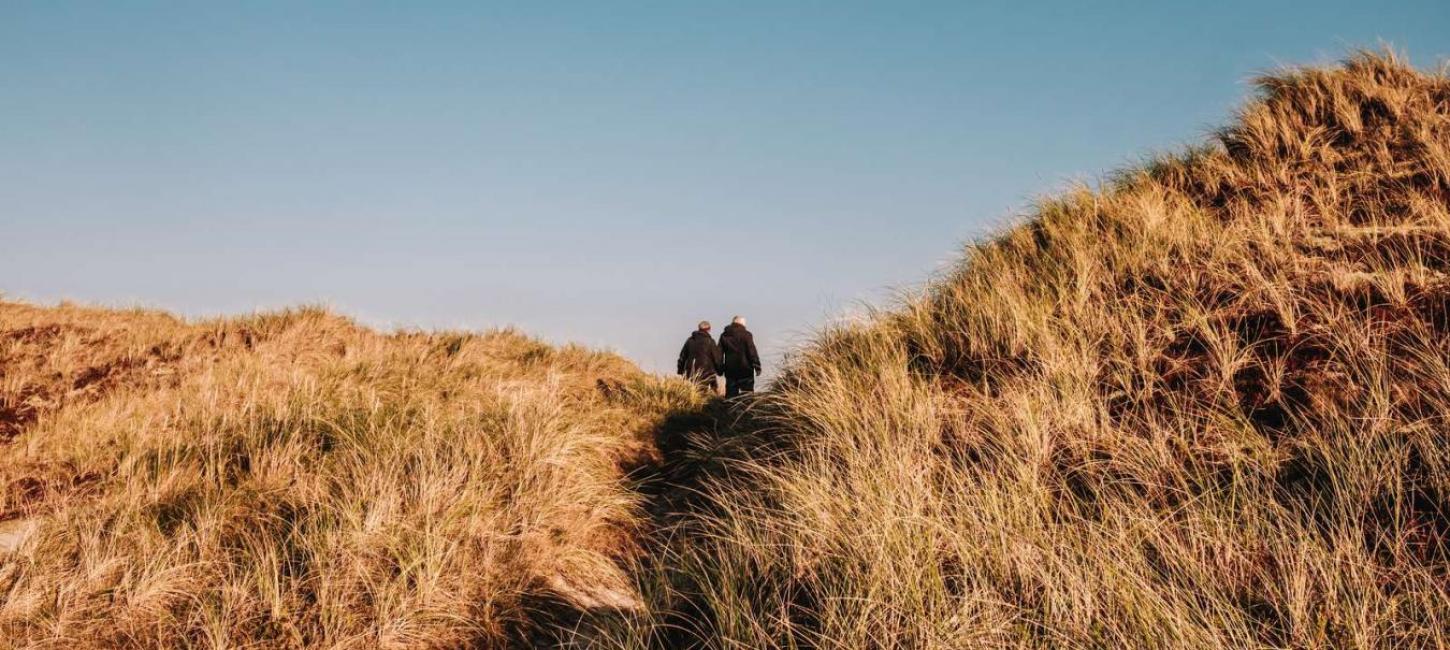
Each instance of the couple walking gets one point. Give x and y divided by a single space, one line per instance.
735 357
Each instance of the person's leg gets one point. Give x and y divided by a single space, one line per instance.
745 385
736 386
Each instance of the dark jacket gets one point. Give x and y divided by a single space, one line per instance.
700 358
738 347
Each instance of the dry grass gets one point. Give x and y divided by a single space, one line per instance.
1203 407
292 479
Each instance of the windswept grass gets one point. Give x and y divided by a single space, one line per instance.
292 479
1201 407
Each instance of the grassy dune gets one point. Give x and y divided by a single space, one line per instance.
293 479
1203 406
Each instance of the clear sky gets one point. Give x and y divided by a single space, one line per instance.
606 172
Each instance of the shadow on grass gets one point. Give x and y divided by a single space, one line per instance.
694 448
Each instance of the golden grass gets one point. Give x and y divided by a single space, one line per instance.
292 479
1202 407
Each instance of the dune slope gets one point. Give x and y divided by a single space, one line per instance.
292 479
1201 406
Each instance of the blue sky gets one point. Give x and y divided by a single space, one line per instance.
606 173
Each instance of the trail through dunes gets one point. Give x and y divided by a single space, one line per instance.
1201 406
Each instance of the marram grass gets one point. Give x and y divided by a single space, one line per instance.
294 480
1201 406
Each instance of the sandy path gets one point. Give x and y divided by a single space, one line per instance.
13 533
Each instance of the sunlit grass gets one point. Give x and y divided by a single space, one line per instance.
1201 407
291 479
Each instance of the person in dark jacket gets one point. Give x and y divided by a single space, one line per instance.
742 362
700 359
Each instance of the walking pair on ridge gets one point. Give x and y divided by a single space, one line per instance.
735 357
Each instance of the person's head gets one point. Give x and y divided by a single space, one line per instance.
704 326
738 320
